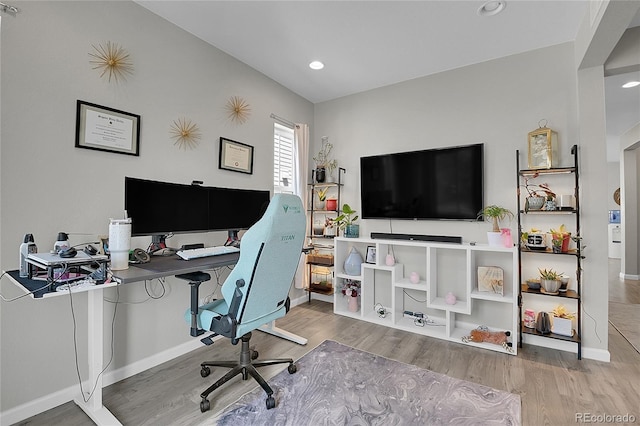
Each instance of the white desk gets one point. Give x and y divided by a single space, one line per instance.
157 268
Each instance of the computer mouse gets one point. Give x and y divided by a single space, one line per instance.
68 252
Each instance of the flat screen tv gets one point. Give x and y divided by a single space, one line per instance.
444 183
161 208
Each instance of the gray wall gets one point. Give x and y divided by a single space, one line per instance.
48 185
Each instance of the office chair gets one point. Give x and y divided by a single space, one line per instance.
256 292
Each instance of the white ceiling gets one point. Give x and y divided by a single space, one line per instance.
370 44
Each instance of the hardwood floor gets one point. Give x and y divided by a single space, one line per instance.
554 385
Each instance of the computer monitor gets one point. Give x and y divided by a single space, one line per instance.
162 208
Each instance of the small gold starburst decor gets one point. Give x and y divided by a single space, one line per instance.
185 133
238 109
112 59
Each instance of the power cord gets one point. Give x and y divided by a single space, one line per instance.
4 299
380 310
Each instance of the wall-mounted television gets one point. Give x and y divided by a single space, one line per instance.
444 183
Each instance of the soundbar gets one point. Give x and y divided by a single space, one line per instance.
417 237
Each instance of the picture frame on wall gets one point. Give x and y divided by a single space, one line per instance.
107 129
235 156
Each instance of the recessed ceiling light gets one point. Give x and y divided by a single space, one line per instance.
631 84
316 65
491 8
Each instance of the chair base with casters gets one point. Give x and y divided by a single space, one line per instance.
247 367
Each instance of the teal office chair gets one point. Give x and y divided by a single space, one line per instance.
256 292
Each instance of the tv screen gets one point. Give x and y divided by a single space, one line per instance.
160 208
445 183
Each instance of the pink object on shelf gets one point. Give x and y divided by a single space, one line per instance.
507 239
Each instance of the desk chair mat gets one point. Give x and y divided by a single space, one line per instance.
175 262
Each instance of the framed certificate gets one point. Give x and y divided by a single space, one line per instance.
235 156
541 148
107 129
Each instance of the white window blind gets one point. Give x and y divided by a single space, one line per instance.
283 173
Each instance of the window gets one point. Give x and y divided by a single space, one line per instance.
283 174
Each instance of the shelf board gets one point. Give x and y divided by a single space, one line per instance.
575 338
569 294
494 297
405 283
438 329
550 212
572 252
461 306
320 291
554 171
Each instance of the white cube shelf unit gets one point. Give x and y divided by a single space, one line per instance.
442 268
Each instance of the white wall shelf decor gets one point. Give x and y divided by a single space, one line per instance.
442 268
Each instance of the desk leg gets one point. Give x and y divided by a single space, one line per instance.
94 408
272 329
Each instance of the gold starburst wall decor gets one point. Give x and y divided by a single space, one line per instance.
238 109
185 133
112 59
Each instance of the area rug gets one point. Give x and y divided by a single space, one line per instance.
339 385
625 318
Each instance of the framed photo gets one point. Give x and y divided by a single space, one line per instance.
371 254
235 156
540 149
107 129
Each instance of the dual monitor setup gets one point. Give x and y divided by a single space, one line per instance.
159 209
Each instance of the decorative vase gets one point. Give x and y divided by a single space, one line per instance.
414 278
564 284
332 204
352 231
390 260
495 239
352 303
353 262
320 174
550 286
534 203
450 299
550 205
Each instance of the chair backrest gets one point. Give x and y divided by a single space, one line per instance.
269 254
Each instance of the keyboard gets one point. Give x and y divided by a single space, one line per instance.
206 252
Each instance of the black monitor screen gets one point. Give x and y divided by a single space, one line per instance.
160 208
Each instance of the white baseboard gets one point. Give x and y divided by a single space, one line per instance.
47 402
624 276
587 353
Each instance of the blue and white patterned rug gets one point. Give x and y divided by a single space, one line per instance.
339 385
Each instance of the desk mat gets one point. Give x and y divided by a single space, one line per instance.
31 285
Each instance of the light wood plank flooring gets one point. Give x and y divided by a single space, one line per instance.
553 385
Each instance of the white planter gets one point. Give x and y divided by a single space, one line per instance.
495 239
562 326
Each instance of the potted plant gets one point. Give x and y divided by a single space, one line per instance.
345 221
323 162
560 239
496 214
550 280
322 196
562 321
537 195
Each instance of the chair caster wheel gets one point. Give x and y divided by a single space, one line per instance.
204 405
205 371
292 368
271 402
254 354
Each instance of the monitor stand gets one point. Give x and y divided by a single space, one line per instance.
158 242
232 238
